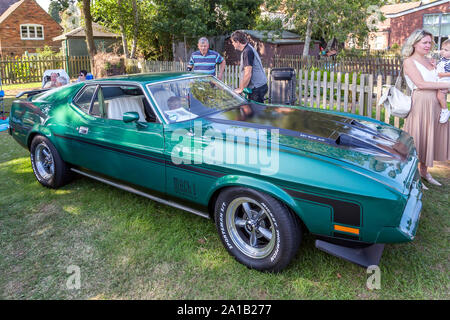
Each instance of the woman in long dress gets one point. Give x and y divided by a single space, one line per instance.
430 137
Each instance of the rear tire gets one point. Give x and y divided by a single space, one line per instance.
48 167
256 229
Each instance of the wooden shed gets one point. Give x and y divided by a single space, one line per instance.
74 42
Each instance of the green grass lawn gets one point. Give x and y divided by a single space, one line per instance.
129 247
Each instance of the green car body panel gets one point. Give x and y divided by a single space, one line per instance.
331 181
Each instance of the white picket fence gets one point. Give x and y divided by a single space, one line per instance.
339 91
347 92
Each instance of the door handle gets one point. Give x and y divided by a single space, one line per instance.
83 130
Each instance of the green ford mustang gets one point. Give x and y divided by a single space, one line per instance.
265 174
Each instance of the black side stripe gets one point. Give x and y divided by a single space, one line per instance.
344 212
195 169
147 157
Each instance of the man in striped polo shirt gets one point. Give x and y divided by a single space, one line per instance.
205 60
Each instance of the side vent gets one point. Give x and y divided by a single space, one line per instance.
346 140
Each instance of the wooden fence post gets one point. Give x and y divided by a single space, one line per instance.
369 96
325 82
388 83
305 95
354 83
331 107
346 88
311 90
379 93
338 90
318 88
300 83
361 94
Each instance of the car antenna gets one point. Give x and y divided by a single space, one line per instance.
189 100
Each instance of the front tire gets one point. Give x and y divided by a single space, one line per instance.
48 167
256 229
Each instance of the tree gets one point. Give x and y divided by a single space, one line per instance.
89 33
123 16
121 23
231 15
135 28
56 7
70 18
152 26
336 19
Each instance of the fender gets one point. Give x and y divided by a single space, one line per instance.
257 184
63 146
41 130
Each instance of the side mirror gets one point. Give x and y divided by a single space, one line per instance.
130 117
247 92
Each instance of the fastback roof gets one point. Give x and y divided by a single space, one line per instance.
152 77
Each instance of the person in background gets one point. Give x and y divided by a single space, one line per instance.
251 70
61 81
205 60
52 82
432 139
443 69
82 76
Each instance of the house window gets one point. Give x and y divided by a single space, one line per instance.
439 25
380 43
31 32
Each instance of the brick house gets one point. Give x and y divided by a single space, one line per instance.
24 27
403 18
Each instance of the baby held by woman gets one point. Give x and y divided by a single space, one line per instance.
443 69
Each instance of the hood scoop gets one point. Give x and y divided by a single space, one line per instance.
370 140
345 140
369 130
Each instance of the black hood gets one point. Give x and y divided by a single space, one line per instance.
336 130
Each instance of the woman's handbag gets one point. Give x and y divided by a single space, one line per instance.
395 101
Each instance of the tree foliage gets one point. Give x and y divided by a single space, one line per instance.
326 19
71 17
56 7
160 23
231 15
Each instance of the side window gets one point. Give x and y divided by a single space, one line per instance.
84 100
98 105
113 101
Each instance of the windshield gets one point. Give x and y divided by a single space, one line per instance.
187 99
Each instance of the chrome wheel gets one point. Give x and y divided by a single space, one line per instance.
250 227
45 165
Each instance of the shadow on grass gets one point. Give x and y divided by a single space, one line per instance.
130 247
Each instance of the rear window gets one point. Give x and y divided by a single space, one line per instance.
83 101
